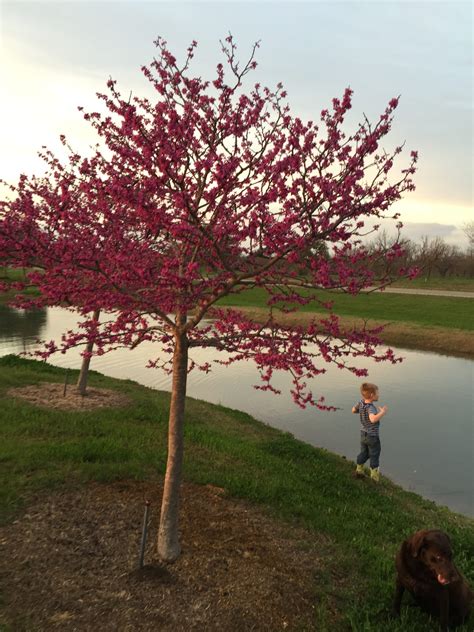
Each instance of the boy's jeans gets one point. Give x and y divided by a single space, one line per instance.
369 448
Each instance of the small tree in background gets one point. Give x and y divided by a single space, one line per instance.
433 254
468 230
204 193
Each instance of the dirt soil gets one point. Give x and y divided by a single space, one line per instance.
70 562
51 395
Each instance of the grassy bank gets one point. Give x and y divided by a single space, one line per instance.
448 341
448 283
429 323
430 311
12 274
363 523
456 284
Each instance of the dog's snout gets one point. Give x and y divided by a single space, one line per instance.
446 573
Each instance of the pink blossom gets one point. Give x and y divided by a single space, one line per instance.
197 195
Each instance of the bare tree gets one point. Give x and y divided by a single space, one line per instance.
430 252
468 229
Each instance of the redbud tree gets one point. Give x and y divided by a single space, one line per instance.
204 192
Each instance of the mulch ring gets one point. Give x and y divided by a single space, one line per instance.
70 563
52 395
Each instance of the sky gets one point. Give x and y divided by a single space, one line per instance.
55 56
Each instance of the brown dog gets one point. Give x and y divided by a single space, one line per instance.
425 568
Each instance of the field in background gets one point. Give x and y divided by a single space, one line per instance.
433 311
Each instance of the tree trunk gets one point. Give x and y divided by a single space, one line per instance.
168 542
86 360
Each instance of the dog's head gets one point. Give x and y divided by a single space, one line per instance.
433 549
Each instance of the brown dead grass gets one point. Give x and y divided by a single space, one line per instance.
70 563
51 395
455 342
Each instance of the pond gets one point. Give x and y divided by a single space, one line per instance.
427 435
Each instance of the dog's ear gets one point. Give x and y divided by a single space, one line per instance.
447 540
444 541
416 542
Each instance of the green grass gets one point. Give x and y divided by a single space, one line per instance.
364 523
422 282
438 311
459 284
12 274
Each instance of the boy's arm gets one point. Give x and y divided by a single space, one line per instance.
355 408
373 418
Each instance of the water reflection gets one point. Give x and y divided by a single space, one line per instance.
21 325
427 437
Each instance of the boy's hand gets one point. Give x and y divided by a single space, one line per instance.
383 409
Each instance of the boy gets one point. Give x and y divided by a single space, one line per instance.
369 436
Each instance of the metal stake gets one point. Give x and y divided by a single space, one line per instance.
144 532
65 383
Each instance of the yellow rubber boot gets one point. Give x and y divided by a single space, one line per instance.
375 474
359 471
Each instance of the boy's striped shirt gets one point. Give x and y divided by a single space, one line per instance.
365 409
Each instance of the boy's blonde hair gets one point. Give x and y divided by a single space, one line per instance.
367 389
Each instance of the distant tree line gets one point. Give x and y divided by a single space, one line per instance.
432 255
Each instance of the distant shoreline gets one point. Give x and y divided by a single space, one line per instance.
443 340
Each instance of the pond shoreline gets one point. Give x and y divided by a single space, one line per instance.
448 341
422 376
443 340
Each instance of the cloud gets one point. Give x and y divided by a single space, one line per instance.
417 210
416 230
451 234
